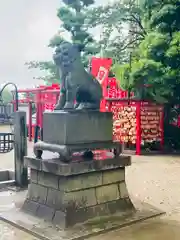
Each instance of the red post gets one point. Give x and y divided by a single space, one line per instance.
138 128
30 122
162 128
37 108
40 110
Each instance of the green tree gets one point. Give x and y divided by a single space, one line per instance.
156 61
49 73
123 28
73 15
7 96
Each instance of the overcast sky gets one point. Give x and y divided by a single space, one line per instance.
26 27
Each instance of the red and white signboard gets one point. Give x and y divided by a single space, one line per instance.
100 69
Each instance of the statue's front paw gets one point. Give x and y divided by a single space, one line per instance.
69 105
58 107
88 106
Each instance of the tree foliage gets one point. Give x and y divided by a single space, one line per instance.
156 62
122 26
156 59
73 15
49 72
7 96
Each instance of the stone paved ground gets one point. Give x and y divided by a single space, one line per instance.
7 232
156 180
153 179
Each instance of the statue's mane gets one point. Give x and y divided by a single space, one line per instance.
66 54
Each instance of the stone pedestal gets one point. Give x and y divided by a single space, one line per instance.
77 127
67 194
76 131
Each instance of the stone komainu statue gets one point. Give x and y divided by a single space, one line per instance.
76 83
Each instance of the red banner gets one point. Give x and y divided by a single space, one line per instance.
100 68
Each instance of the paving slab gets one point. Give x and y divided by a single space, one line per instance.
8 232
12 214
151 179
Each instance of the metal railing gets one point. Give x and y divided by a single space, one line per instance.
6 142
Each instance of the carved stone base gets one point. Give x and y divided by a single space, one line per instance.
66 132
66 151
67 194
77 127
